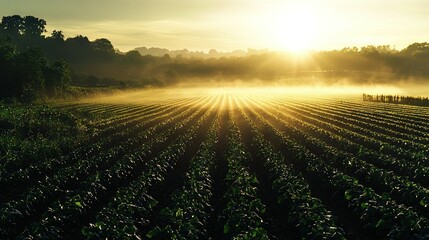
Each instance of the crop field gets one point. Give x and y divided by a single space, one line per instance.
215 164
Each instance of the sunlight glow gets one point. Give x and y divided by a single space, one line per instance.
293 29
227 25
308 93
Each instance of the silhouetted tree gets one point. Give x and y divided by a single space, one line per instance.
103 45
34 26
369 50
78 49
79 41
416 48
12 25
57 35
133 57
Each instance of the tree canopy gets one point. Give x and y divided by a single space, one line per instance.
27 74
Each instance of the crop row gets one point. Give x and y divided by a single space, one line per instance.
44 192
304 212
414 167
402 189
50 166
241 217
187 215
364 133
380 129
130 208
379 215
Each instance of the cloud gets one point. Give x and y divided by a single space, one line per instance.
232 24
127 35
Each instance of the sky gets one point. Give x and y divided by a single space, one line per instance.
226 25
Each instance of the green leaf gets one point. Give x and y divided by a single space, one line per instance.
226 228
98 225
424 202
364 205
347 195
130 229
179 212
153 232
79 204
254 180
380 223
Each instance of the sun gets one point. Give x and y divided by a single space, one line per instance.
294 29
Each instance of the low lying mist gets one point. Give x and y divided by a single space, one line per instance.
255 89
335 68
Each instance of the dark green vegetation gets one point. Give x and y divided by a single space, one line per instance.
60 61
33 66
27 75
418 101
29 136
220 166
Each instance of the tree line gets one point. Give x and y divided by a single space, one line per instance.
24 41
33 65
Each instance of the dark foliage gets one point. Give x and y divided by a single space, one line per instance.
26 74
418 101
